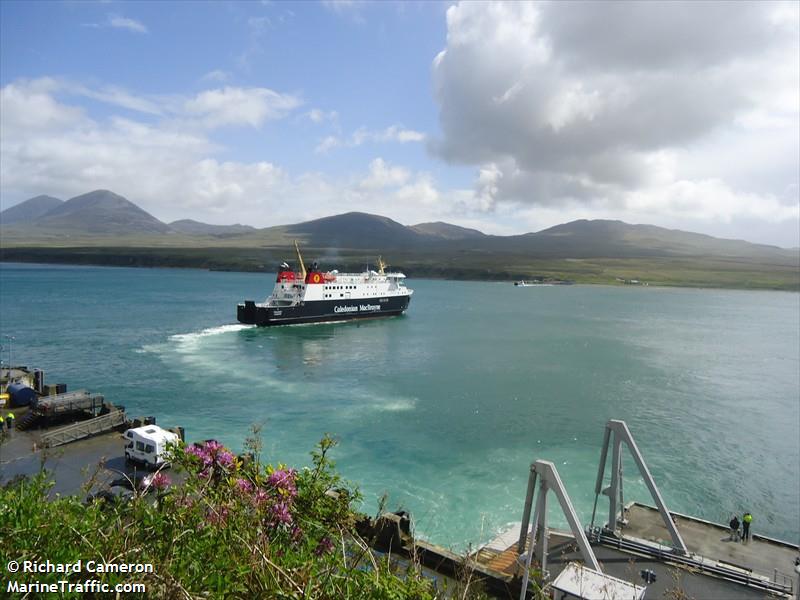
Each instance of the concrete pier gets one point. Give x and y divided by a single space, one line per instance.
761 559
70 466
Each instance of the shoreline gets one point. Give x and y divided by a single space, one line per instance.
441 275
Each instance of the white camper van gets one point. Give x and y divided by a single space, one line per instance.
148 444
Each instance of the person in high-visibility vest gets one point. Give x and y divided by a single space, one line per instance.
10 421
746 520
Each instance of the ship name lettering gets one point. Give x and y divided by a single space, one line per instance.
345 309
359 308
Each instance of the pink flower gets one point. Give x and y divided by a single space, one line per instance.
211 454
213 445
284 482
280 514
160 481
244 485
200 452
260 497
224 458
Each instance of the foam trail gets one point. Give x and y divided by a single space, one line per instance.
187 337
399 405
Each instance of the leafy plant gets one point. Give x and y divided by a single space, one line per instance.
219 526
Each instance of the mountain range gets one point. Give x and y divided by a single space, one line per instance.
104 215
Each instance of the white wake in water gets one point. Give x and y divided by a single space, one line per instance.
189 337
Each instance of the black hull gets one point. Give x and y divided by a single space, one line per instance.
321 311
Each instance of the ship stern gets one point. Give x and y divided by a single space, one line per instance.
250 314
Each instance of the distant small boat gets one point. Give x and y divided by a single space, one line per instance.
522 283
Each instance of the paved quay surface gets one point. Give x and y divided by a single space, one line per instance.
78 468
624 565
100 459
759 555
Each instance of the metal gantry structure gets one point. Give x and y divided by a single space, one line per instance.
544 478
616 433
546 475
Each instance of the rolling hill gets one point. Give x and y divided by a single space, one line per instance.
100 212
29 211
104 228
356 230
447 231
192 227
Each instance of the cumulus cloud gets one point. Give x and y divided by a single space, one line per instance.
393 133
173 171
382 175
623 105
212 108
240 106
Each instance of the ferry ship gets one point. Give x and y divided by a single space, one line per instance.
312 296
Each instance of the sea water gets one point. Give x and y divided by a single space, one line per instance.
443 410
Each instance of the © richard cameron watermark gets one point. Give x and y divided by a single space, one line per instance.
80 576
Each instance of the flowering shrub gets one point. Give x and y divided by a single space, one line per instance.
160 481
220 527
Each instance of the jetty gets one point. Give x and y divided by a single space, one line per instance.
639 552
651 548
63 432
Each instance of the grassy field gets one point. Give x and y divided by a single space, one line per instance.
714 272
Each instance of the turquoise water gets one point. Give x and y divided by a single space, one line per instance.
444 409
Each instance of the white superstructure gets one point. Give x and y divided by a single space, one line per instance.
338 286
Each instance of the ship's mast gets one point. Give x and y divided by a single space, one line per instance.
381 265
300 260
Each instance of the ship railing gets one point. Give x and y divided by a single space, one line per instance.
697 564
783 579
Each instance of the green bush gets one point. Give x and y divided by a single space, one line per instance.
231 528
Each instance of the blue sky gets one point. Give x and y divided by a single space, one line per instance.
508 117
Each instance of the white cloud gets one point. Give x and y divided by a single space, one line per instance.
166 159
422 192
29 106
240 106
709 200
394 133
126 23
320 116
327 144
658 110
116 96
172 171
209 109
362 135
382 175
